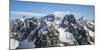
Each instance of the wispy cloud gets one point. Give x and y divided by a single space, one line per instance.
19 14
63 13
27 13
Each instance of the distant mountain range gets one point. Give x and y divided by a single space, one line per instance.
52 31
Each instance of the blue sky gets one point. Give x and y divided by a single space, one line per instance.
48 8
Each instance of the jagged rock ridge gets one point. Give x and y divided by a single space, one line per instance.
51 31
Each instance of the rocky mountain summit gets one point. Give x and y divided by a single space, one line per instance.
52 31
